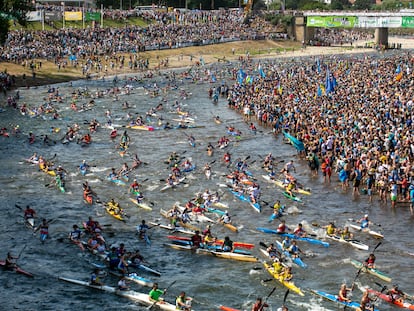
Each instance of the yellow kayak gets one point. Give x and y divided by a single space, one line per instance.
280 184
49 172
288 284
110 208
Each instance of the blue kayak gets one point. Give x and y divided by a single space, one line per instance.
296 260
292 236
191 168
216 211
116 181
334 298
274 216
242 197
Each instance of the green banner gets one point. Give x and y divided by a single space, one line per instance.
407 22
92 16
331 21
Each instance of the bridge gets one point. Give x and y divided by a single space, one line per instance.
306 22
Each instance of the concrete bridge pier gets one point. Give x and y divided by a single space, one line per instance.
381 36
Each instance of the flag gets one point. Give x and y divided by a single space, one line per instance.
398 70
319 91
261 72
328 83
279 88
399 76
213 78
241 76
318 64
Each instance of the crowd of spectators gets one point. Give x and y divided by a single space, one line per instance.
335 36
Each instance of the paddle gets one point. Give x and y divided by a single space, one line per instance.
376 247
267 297
21 252
151 306
19 207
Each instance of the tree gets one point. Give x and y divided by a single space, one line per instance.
9 10
363 4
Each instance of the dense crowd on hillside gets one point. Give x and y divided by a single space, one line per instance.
334 36
361 124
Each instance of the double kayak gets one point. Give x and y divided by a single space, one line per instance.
129 294
334 298
388 298
16 269
228 255
354 243
280 184
295 237
112 210
373 271
247 199
279 277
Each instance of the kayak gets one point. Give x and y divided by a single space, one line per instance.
134 278
216 248
373 271
280 184
17 269
175 183
292 236
354 243
388 298
198 217
224 308
221 205
130 294
144 268
296 260
218 242
242 197
111 212
289 284
59 184
49 172
292 197
274 216
117 181
191 168
185 225
334 298
375 234
141 127
229 255
174 229
30 222
141 205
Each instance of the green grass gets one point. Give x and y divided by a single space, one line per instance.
134 21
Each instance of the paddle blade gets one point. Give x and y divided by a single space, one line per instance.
284 298
376 246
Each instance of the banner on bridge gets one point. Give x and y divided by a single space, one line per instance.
407 22
73 16
92 16
379 22
331 21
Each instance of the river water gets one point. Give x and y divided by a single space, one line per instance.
211 281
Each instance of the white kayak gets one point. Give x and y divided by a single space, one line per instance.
141 205
375 234
174 229
354 243
173 185
197 217
130 294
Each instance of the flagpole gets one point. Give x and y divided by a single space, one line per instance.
63 17
102 15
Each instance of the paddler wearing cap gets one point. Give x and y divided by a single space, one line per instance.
364 221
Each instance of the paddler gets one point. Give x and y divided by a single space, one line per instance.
273 253
299 231
370 261
396 294
277 209
290 187
287 274
142 230
124 170
75 236
44 230
225 219
227 158
282 228
365 303
84 166
294 250
196 240
94 278
122 284
156 293
125 140
136 162
113 174
259 305
345 234
32 138
364 221
343 292
227 245
10 262
182 302
330 229
277 266
210 150
29 213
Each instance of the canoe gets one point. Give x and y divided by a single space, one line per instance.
375 234
292 236
229 255
130 294
17 269
242 197
334 298
180 180
173 229
388 298
111 212
354 243
296 260
218 242
289 284
280 184
141 205
372 271
141 127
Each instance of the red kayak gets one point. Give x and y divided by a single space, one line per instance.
224 308
218 242
17 269
388 298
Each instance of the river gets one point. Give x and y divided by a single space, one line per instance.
211 281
